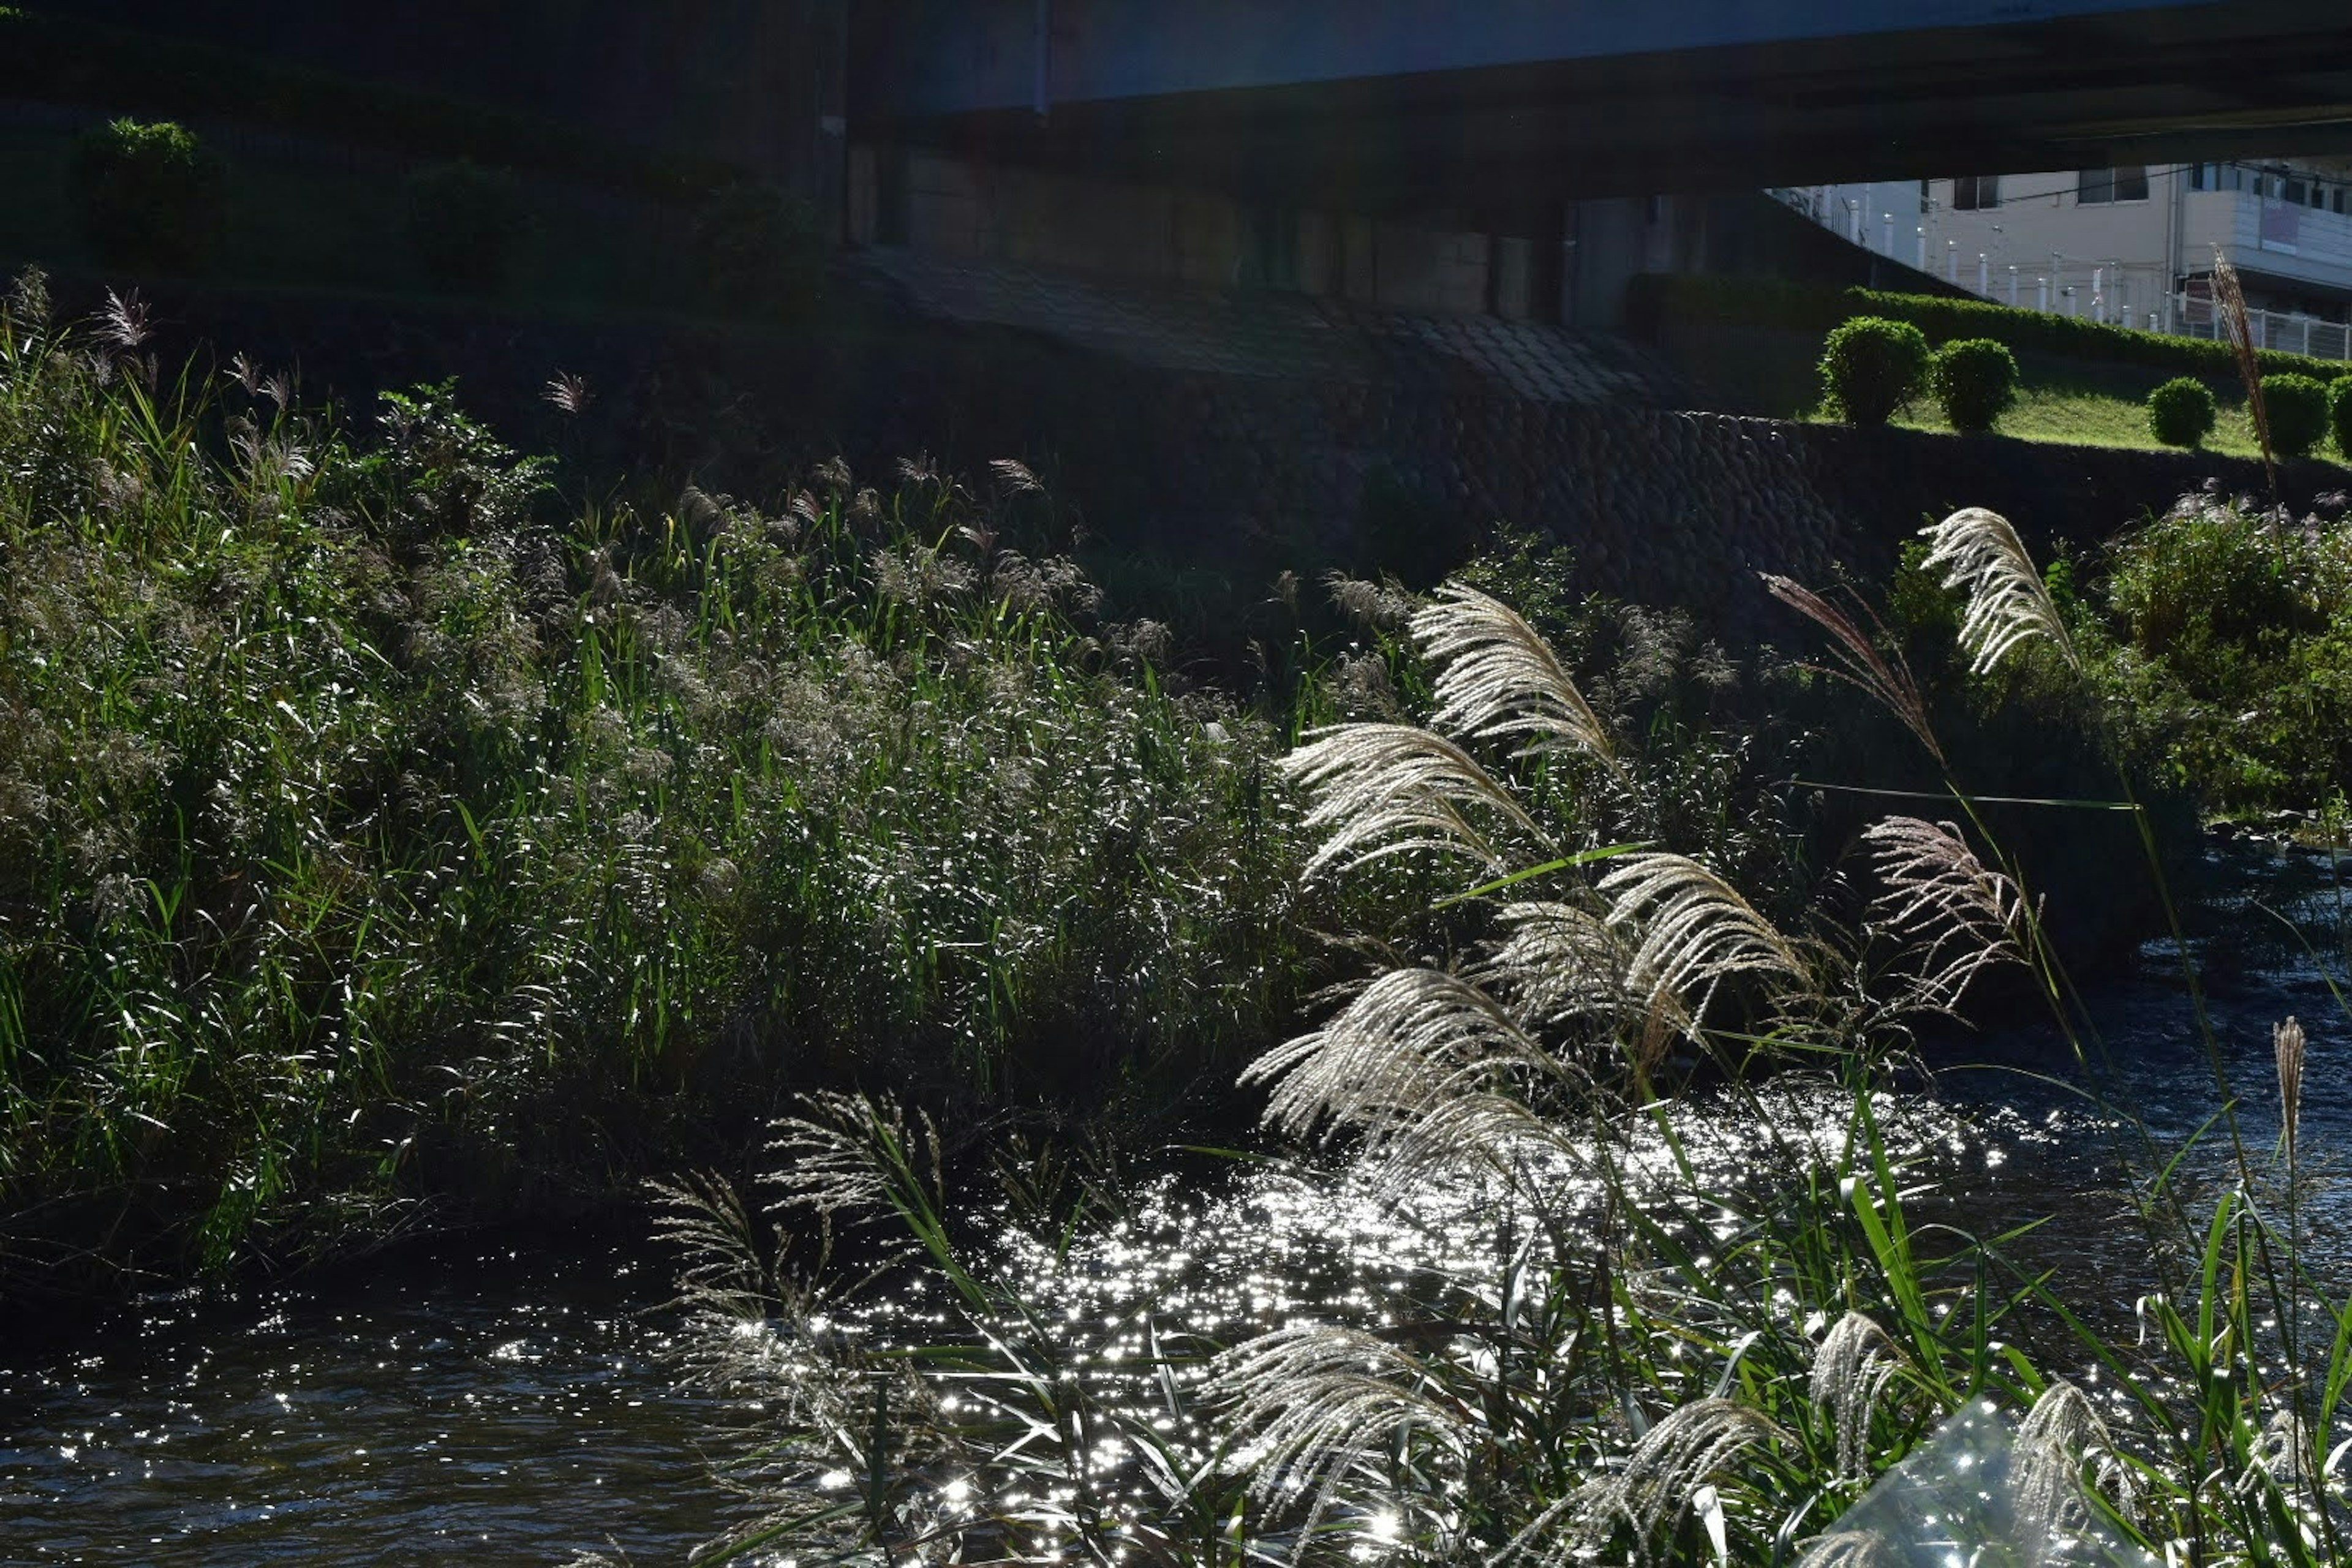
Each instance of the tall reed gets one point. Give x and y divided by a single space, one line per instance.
1653 1361
381 834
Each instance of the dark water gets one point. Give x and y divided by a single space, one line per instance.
520 1403
495 1405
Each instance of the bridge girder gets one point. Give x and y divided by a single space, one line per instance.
2059 84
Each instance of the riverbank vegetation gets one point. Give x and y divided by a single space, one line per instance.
389 838
1631 1353
2217 635
378 826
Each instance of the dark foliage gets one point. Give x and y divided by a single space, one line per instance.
150 195
760 252
463 221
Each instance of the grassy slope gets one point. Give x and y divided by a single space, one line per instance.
1770 372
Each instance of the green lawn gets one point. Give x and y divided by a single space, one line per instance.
1771 372
2088 416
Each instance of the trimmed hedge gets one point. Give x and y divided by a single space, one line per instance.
2180 413
2297 407
1974 381
2339 413
50 58
1654 299
1871 367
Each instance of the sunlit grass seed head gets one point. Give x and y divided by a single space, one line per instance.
2009 604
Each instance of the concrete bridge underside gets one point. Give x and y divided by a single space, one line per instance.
1500 109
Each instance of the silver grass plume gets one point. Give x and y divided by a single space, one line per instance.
2287 1046
1967 915
1849 1549
568 394
1851 1367
1500 679
1014 477
1410 1044
1696 931
1861 661
2230 304
1388 789
1375 606
2007 602
847 1156
2064 1425
124 323
1314 1404
725 1261
1663 1475
1560 961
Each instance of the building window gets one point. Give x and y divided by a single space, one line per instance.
2124 183
1976 193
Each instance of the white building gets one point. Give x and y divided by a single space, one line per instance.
2134 245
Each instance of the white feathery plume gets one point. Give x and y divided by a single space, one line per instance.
1851 1367
1663 1475
1387 789
1500 679
1849 1549
1560 961
1412 1043
2287 1046
1937 892
847 1156
1315 1404
2007 603
1696 929
2062 1431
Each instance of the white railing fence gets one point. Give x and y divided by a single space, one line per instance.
2135 295
2191 314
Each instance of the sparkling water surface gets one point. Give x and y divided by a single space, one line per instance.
523 1401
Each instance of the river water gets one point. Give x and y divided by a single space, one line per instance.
521 1401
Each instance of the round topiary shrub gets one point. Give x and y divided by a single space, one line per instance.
759 252
2180 412
2297 407
1974 381
463 222
2339 413
1871 367
149 195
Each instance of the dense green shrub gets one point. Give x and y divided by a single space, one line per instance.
368 831
463 222
2180 412
2226 648
758 251
149 195
1654 299
2297 407
2339 414
1872 367
1974 381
